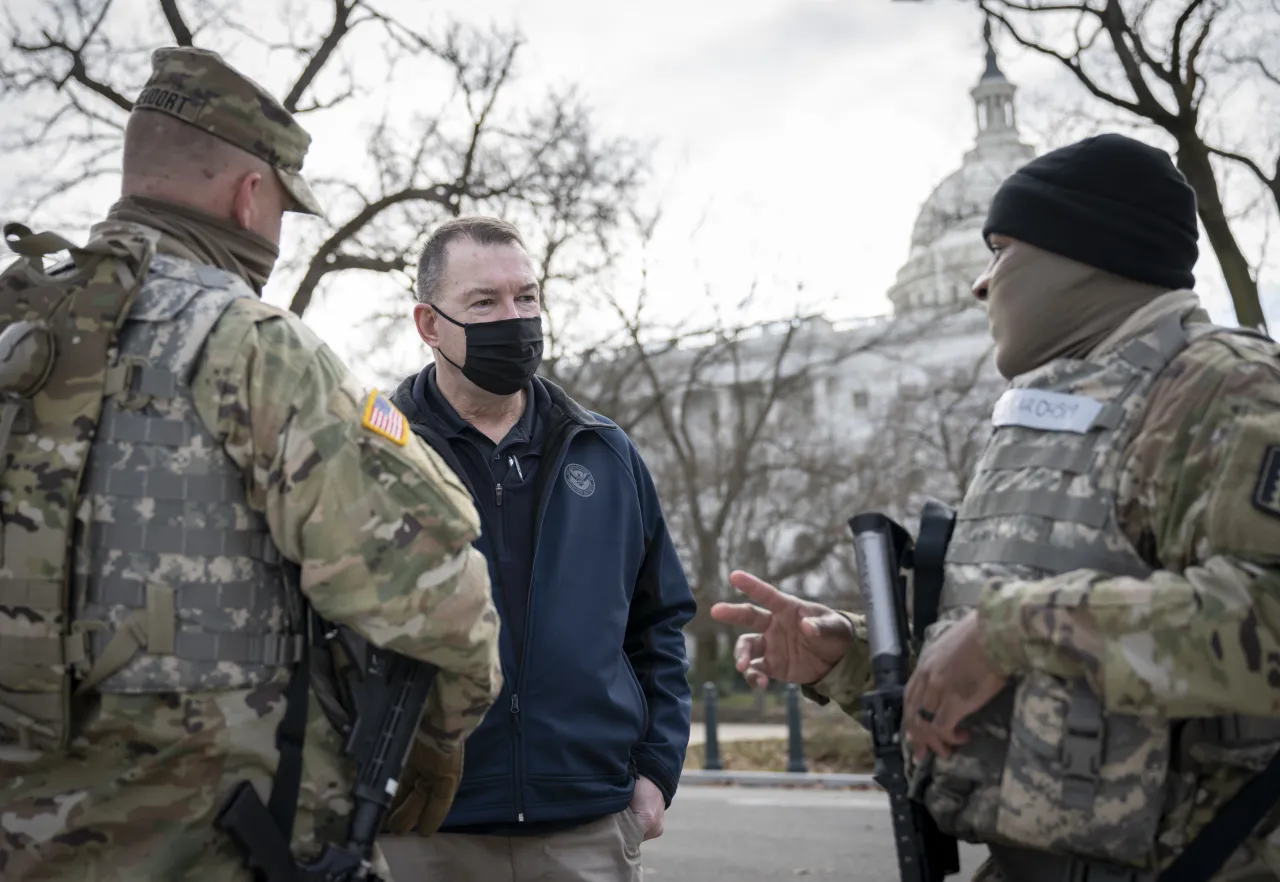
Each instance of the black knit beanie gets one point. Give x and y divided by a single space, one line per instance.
1108 201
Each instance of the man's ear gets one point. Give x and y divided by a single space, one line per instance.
424 319
245 208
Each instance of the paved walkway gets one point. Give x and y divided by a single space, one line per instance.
729 834
738 732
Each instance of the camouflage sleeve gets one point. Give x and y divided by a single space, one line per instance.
851 677
380 527
1201 480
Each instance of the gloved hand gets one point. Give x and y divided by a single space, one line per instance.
427 787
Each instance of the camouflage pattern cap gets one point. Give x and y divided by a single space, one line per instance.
199 88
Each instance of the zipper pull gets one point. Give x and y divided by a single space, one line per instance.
499 491
515 709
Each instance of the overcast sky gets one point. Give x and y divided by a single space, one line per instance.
796 139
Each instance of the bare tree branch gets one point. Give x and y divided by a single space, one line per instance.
1247 162
320 57
181 33
1132 36
325 260
543 165
750 473
77 70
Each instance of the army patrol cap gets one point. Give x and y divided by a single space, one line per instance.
199 88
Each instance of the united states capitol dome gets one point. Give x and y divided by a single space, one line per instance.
947 252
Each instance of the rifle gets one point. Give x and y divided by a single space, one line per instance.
386 693
884 549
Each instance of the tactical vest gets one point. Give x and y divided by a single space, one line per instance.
1045 768
132 560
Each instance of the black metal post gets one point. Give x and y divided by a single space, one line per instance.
795 737
711 753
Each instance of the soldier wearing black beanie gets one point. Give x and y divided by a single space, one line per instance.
1108 201
1114 559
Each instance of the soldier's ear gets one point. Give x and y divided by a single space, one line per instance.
257 208
243 209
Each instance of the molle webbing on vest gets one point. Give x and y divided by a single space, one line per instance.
1048 561
166 487
1033 865
137 534
141 380
1090 511
51 397
1042 501
1235 732
178 585
1062 459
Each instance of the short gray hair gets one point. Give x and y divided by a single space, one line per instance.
481 230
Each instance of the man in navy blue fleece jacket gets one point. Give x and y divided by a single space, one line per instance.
580 755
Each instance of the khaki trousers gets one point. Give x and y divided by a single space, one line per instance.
605 850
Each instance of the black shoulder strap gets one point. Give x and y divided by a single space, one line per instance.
937 521
1206 854
291 734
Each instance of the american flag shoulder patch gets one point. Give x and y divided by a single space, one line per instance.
382 418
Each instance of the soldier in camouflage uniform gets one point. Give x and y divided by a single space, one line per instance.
181 477
1105 673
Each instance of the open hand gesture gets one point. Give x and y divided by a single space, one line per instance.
794 640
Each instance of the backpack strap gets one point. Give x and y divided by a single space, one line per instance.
22 241
291 736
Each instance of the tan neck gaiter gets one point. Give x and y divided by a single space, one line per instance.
1043 306
195 235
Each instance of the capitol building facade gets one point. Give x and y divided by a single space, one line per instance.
947 252
854 370
936 326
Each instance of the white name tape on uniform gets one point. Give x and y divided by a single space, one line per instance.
1050 411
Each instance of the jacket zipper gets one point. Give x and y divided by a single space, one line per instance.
514 708
559 446
516 766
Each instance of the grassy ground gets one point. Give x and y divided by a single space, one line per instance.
832 743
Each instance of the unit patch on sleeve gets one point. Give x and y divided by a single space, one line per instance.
382 418
1266 493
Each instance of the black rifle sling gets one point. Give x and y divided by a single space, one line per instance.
937 522
290 737
1229 828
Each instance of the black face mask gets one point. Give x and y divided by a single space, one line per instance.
502 356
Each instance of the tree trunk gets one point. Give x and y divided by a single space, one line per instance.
706 645
705 629
1193 160
708 648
